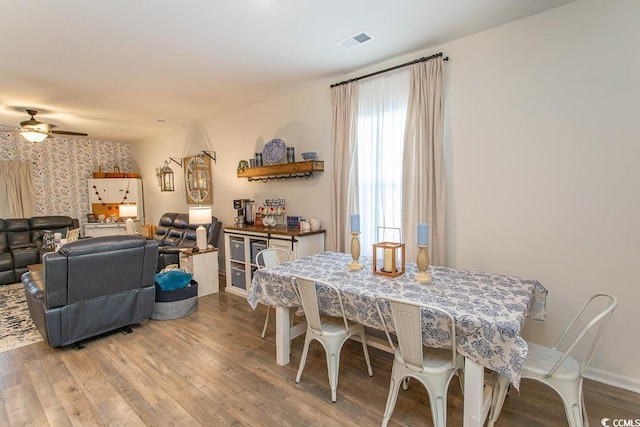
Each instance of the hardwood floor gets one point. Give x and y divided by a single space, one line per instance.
212 368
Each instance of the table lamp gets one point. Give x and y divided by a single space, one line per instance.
200 216
128 211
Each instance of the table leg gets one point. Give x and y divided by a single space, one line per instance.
477 396
283 335
285 332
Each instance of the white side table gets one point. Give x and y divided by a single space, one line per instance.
204 267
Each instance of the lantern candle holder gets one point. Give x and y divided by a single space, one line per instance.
423 264
355 252
393 258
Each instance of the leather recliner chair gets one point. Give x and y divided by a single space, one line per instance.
92 286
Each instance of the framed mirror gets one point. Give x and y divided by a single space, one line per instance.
197 180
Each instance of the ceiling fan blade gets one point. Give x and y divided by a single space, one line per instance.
10 127
64 132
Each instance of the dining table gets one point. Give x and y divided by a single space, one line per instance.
488 309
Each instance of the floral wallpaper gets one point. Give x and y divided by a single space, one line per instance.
61 167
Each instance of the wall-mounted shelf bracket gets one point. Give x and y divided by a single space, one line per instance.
177 162
210 154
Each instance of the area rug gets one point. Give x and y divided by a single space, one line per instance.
16 327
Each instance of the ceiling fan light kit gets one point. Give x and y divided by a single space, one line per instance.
33 135
35 131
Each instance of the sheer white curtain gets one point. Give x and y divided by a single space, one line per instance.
17 195
381 120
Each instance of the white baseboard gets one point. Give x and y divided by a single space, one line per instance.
616 380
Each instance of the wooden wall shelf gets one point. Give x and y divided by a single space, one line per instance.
282 171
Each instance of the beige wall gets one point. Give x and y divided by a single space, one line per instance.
541 145
301 119
543 141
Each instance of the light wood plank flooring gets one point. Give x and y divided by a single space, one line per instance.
212 368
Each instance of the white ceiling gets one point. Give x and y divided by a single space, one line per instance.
113 68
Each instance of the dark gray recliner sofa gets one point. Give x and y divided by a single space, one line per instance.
92 286
174 233
21 242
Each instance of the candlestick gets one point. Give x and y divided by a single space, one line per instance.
355 223
423 264
355 252
423 233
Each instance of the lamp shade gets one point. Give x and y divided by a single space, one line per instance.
34 135
200 215
127 211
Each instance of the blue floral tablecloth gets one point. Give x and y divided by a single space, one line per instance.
489 309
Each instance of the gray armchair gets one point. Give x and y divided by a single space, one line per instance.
92 286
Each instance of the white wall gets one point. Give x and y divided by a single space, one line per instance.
540 145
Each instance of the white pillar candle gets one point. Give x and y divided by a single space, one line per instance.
387 261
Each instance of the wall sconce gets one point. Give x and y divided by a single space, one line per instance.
166 178
200 175
165 175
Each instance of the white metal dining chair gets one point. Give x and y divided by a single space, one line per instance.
558 369
268 258
432 367
330 332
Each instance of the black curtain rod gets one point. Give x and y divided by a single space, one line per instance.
386 70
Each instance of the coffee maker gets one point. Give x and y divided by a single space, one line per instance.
244 209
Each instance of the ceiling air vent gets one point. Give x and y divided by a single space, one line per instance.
355 40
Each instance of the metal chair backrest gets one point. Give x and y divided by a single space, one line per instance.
272 256
407 318
600 320
305 288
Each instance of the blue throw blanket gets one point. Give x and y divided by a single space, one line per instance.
172 280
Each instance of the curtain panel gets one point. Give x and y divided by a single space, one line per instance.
424 192
344 103
17 194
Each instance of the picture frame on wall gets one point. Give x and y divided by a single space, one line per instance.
198 180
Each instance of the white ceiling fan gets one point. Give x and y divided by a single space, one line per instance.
36 131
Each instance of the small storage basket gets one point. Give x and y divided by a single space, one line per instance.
176 303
